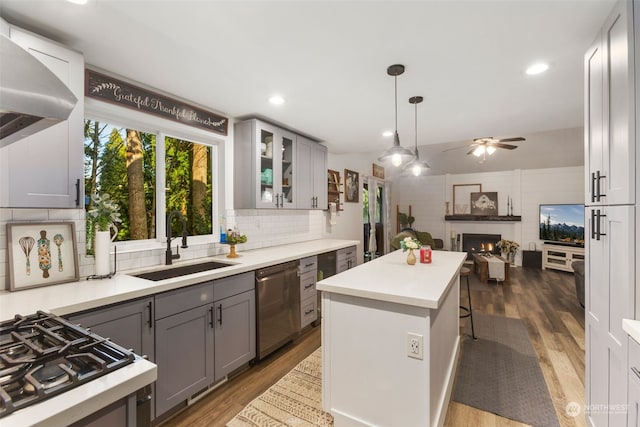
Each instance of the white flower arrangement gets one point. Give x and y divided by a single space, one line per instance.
105 212
410 243
508 246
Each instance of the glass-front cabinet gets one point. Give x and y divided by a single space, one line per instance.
264 173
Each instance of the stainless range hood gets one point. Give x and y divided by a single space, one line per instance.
32 98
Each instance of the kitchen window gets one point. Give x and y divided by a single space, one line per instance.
148 174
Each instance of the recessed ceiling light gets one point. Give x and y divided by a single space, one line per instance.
78 1
276 100
537 68
387 133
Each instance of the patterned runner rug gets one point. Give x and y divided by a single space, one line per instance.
295 400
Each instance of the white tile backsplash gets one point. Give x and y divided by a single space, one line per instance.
263 228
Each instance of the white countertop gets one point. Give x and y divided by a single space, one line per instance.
390 278
74 297
632 327
79 402
69 298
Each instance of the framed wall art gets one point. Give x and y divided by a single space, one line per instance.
41 254
484 203
462 197
351 186
378 171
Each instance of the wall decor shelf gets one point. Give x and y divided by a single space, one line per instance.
498 218
334 188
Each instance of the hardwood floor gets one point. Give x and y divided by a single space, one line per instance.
544 300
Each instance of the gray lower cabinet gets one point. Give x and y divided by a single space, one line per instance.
633 406
184 344
235 330
130 325
346 258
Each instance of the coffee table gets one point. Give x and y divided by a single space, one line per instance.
481 268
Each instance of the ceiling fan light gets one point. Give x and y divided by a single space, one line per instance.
491 149
478 151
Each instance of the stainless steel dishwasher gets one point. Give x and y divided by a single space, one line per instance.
277 306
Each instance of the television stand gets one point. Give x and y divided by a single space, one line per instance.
559 257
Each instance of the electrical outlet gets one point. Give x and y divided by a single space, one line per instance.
414 346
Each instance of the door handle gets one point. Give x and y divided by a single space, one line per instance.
310 285
593 186
211 313
220 314
594 229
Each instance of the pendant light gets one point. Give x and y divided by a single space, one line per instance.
417 167
397 154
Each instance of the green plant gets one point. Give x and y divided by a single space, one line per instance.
105 212
234 237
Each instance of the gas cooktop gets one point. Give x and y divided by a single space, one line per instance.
43 355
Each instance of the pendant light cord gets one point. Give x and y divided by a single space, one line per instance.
395 78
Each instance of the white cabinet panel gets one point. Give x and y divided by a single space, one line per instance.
45 170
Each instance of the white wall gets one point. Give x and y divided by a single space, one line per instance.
527 189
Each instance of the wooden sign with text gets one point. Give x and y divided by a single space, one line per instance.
127 95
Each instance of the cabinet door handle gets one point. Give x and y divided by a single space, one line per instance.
598 178
150 319
310 285
220 314
211 313
78 192
593 186
308 312
594 229
600 216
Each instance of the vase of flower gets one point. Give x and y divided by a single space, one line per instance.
103 215
233 238
409 244
411 258
232 252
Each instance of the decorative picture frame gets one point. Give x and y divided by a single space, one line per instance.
462 197
41 254
378 171
484 203
351 186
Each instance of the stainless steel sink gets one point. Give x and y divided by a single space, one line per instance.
181 270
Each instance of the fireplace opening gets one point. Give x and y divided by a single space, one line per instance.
480 243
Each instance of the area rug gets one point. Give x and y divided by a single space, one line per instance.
295 400
500 373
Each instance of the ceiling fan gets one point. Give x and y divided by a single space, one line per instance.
489 145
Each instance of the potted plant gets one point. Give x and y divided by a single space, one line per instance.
104 216
234 237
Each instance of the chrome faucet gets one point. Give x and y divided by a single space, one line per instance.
169 257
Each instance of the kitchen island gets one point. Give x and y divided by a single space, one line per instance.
372 314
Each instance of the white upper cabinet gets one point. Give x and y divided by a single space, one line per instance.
277 169
312 175
45 170
610 112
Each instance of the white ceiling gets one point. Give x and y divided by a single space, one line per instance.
329 59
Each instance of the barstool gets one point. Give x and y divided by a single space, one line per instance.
464 272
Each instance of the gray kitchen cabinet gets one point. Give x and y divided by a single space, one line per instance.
312 176
265 161
45 170
128 324
184 344
235 326
346 258
308 270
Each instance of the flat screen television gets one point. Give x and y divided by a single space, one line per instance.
562 224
